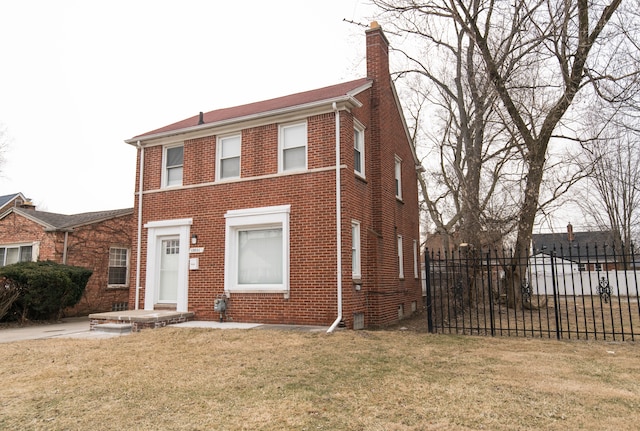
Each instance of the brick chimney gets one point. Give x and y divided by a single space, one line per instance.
28 205
570 236
377 54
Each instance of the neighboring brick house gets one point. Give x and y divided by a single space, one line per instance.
12 200
100 241
241 202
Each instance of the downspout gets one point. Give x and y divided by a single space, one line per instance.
338 223
64 249
138 250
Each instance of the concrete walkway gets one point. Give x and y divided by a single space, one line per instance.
78 327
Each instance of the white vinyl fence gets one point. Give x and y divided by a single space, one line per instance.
570 280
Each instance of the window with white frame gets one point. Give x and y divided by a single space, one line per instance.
415 259
16 253
398 175
118 267
293 147
400 258
257 250
173 165
228 157
358 150
355 250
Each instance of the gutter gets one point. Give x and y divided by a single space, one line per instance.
338 224
138 251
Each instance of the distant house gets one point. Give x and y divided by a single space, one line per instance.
12 200
589 251
301 209
100 241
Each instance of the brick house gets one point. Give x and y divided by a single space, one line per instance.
12 200
242 203
100 241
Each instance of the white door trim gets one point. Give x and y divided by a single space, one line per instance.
161 228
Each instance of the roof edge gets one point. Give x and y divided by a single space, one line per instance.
347 99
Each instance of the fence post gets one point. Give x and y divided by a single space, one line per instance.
489 278
556 295
429 305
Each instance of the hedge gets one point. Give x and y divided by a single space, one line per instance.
45 288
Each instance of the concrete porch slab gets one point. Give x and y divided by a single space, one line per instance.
140 319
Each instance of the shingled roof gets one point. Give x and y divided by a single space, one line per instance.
265 107
54 221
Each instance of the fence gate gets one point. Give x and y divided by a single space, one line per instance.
588 295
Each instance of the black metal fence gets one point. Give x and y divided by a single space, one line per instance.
563 294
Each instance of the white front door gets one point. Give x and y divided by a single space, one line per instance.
167 279
168 270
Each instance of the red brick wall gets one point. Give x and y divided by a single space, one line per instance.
372 202
88 246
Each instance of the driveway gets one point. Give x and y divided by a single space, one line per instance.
76 327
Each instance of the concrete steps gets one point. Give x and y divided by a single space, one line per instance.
114 328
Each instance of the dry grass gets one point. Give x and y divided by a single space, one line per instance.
198 379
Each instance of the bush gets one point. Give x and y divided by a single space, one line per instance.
46 288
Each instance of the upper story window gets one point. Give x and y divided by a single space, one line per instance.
398 175
14 254
172 166
118 266
358 150
228 157
292 140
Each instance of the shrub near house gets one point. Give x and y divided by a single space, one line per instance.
42 289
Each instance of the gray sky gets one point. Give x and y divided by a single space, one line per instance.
80 77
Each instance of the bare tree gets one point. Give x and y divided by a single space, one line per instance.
537 57
5 140
611 194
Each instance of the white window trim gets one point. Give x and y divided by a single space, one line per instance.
398 176
360 128
126 283
255 218
281 148
165 174
400 258
356 270
35 250
219 159
415 260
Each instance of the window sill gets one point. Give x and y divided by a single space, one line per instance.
399 199
361 178
118 286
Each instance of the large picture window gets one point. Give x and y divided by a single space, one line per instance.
228 157
257 250
260 256
293 147
173 166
